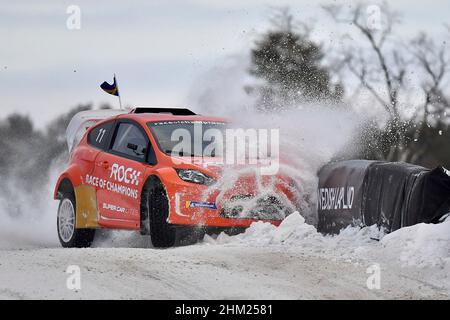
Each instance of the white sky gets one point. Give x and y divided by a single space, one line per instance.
157 48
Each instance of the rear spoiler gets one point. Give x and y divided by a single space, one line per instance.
173 111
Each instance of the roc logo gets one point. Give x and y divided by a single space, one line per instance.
127 175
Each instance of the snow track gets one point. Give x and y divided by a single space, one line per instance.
292 261
198 272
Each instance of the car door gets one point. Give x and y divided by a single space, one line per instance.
121 170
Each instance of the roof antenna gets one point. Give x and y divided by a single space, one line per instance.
118 94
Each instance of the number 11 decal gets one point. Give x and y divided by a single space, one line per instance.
100 135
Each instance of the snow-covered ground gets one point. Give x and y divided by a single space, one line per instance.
292 261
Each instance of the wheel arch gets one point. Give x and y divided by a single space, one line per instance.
67 181
157 176
151 180
65 186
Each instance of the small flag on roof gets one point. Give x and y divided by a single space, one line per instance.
111 88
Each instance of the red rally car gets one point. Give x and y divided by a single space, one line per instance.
123 174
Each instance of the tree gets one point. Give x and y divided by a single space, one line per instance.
27 155
382 66
433 59
291 66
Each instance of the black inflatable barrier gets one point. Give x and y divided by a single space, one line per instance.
390 194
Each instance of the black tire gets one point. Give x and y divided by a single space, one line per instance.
188 235
155 214
79 238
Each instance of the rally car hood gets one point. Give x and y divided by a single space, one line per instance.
207 164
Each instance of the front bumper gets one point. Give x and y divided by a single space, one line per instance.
192 204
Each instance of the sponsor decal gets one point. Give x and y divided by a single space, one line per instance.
123 174
119 174
111 186
119 209
200 204
336 198
162 123
113 207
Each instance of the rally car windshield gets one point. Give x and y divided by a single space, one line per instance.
189 138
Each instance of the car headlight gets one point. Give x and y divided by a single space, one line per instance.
194 176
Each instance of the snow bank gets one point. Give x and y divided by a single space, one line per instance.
421 245
292 230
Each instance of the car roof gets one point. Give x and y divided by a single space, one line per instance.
144 118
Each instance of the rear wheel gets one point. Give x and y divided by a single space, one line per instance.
156 211
68 235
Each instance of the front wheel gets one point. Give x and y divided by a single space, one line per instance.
68 235
156 211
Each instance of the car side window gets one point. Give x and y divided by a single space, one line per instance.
99 136
130 141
